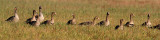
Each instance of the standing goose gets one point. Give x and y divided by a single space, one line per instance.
41 17
121 25
105 22
72 21
130 23
148 23
33 17
35 23
90 22
14 18
50 21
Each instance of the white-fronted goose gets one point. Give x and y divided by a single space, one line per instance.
147 23
72 21
90 22
130 23
50 21
14 18
33 17
41 17
105 22
120 26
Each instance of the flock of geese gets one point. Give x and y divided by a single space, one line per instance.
37 19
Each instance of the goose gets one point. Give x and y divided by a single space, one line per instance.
121 25
35 23
33 17
105 22
41 17
147 23
50 21
72 21
130 23
14 18
90 22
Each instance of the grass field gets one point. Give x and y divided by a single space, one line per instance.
85 10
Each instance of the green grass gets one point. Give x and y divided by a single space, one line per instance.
85 10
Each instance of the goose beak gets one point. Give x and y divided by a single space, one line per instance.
15 8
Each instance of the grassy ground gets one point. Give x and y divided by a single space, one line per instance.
85 10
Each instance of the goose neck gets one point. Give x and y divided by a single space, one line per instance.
121 23
107 17
131 18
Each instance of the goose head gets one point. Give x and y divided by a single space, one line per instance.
107 13
40 7
96 17
148 15
132 14
53 13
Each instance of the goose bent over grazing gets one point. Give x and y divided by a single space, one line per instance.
120 26
105 22
14 18
72 21
41 17
90 22
50 21
33 17
147 23
35 23
130 23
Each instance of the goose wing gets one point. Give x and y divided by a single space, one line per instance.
69 22
32 22
127 24
10 18
116 27
85 23
46 22
144 23
28 20
101 23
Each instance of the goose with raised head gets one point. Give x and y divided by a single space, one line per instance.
50 21
72 21
41 17
120 26
130 23
105 22
14 18
90 22
33 17
147 23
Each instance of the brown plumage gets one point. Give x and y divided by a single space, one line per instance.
33 17
105 22
72 21
50 21
147 23
90 22
130 23
14 18
120 26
